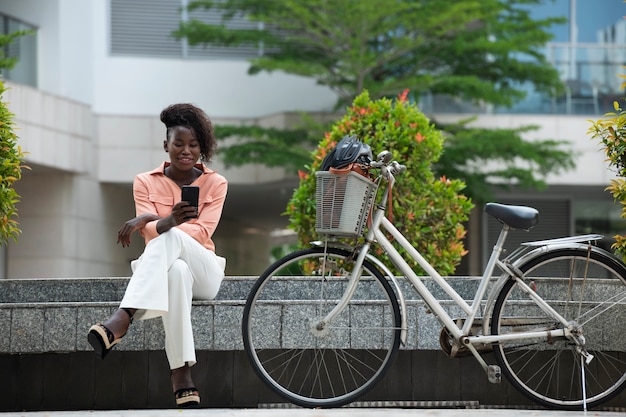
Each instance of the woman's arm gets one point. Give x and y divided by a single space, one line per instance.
136 223
147 213
210 212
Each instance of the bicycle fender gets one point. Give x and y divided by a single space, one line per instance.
566 245
548 246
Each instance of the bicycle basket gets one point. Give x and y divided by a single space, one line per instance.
343 203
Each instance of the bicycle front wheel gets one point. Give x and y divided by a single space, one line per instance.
310 364
588 288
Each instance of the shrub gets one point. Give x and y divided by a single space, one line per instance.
11 157
429 211
611 131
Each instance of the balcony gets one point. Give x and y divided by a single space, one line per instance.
590 76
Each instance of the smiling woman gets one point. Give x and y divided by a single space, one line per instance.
179 262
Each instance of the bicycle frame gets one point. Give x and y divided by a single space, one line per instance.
376 233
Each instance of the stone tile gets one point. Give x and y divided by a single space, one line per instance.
227 319
202 324
135 337
108 290
27 325
233 288
428 329
86 317
154 335
8 291
5 330
59 329
269 321
368 318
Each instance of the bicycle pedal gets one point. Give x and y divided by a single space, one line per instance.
494 374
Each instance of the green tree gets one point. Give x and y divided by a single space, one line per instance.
289 149
482 51
480 155
476 50
11 155
429 210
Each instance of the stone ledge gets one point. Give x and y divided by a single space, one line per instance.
53 315
99 289
62 326
103 289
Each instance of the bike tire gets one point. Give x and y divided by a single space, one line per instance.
549 372
320 368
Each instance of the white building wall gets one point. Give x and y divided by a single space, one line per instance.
74 62
591 167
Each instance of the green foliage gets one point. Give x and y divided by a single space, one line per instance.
429 211
483 159
487 158
9 62
289 148
611 131
478 50
11 164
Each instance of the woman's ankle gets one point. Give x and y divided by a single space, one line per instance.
181 378
119 322
131 312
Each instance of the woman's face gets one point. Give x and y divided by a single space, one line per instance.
183 148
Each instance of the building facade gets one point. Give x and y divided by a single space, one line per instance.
93 79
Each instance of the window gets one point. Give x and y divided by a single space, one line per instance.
24 48
144 28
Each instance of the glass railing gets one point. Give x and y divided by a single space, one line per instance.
590 76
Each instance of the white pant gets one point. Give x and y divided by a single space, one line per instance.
173 269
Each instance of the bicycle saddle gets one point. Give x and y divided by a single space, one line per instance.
517 217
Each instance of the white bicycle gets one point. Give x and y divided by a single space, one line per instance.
322 326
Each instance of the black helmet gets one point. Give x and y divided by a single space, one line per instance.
349 149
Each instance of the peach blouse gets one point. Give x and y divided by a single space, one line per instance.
156 194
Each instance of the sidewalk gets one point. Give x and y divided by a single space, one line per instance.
334 412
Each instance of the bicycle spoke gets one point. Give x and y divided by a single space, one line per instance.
589 290
334 362
606 305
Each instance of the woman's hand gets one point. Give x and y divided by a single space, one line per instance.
128 228
181 212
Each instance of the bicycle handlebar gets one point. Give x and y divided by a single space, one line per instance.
388 166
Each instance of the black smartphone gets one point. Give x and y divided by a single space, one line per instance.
190 194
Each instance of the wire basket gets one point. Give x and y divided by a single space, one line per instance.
343 203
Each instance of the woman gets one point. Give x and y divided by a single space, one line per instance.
179 263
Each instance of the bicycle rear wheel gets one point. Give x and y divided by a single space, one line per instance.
588 288
312 366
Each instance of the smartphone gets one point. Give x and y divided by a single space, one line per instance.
190 194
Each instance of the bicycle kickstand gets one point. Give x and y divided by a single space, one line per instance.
494 374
